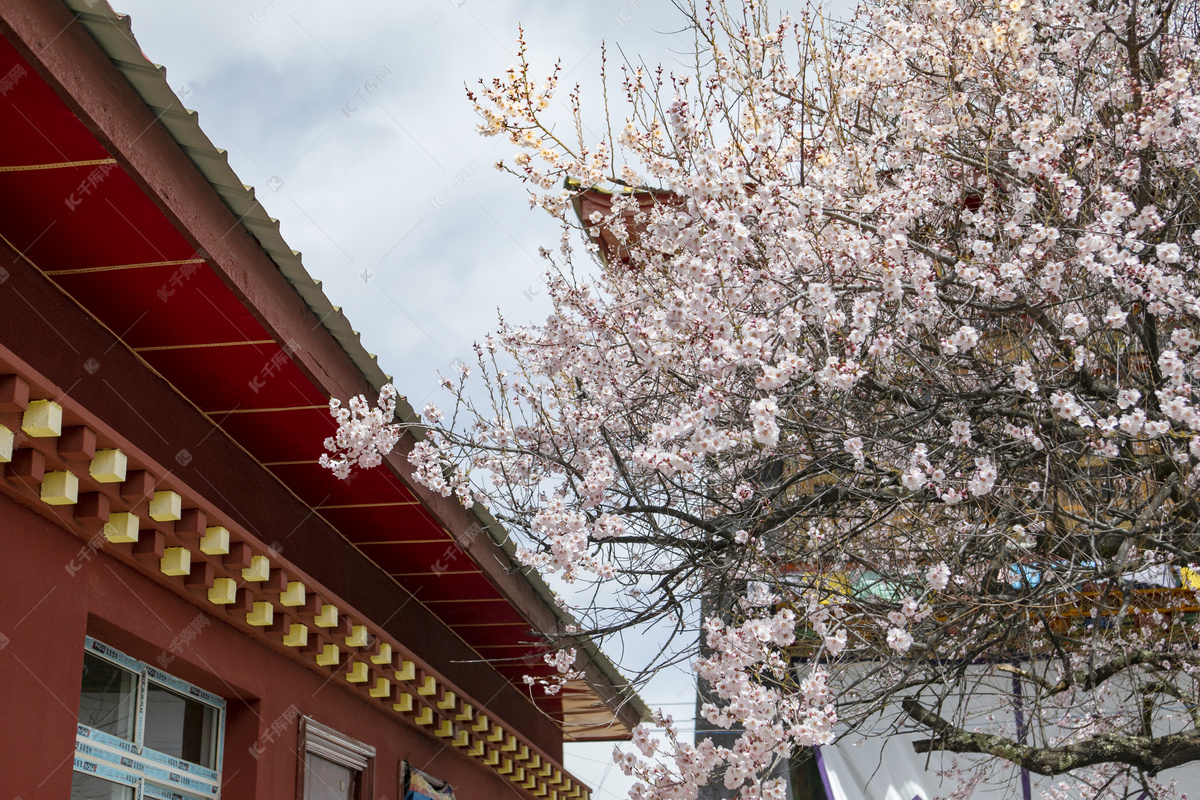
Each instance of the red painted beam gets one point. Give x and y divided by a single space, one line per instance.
44 327
64 54
83 76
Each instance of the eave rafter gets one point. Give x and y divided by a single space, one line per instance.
135 512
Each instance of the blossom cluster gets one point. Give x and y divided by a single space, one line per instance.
904 326
364 435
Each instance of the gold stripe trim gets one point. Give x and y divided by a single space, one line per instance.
227 412
159 348
405 541
114 267
58 165
431 572
370 505
474 600
522 645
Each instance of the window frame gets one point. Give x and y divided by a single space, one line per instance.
149 772
332 745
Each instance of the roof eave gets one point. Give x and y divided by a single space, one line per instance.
113 34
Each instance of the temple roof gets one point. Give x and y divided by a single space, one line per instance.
251 359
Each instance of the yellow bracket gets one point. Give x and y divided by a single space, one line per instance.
358 636
293 595
108 466
223 592
357 672
215 541
259 569
297 635
176 561
7 439
328 617
262 615
166 506
121 528
329 655
60 489
42 419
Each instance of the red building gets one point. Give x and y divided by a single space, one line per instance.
190 606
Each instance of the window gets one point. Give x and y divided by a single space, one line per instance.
143 733
335 766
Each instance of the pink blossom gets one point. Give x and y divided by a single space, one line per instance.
899 640
938 576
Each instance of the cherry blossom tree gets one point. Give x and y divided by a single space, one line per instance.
889 329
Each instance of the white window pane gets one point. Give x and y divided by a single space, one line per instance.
89 787
325 780
108 700
179 726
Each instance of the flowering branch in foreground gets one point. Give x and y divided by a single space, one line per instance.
901 351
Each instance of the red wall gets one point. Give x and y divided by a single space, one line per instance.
54 590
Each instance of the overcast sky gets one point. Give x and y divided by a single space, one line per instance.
355 129
351 121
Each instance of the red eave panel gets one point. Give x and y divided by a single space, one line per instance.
460 614
384 524
105 243
277 436
135 305
31 111
317 486
87 217
464 583
236 378
441 554
504 636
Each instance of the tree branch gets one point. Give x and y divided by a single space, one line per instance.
1147 753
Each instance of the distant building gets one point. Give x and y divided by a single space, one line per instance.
190 606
